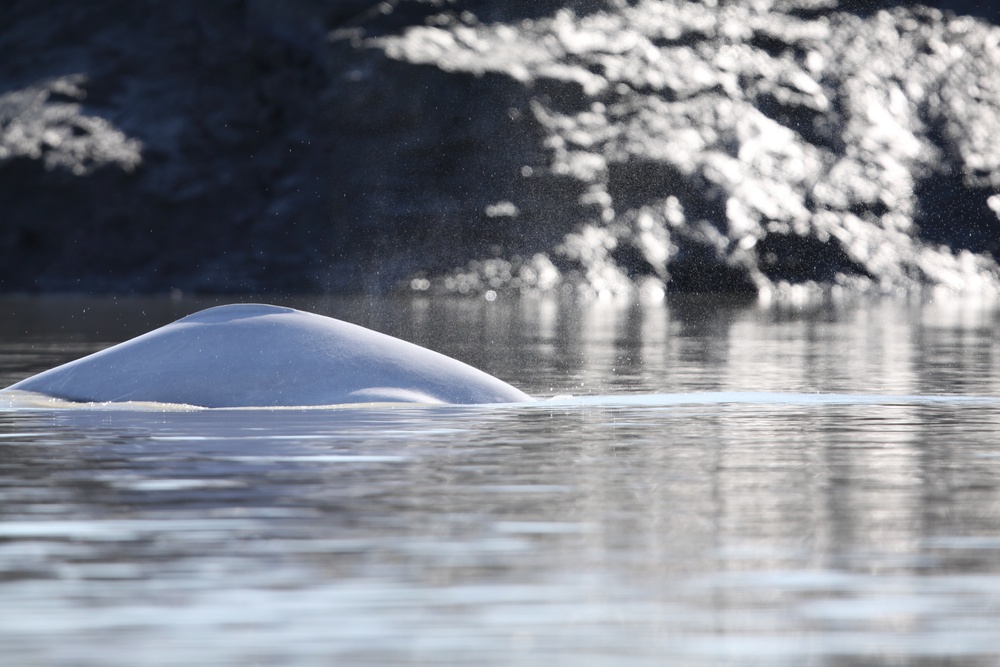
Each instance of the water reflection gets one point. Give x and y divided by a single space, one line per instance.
556 344
639 524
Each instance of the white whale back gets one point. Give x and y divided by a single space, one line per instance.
254 355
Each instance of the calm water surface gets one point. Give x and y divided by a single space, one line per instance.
731 485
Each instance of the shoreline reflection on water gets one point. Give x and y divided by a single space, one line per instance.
752 522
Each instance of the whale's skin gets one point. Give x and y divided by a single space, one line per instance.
256 355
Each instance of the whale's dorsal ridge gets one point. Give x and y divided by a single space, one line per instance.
235 311
257 355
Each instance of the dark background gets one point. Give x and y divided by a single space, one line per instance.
325 147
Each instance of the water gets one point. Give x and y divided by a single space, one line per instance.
730 485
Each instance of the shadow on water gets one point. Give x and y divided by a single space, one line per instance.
729 485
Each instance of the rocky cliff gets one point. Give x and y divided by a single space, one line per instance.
464 146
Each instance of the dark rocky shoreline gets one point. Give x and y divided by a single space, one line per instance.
308 146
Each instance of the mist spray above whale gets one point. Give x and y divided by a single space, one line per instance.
253 355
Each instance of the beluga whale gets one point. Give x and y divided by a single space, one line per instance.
257 355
